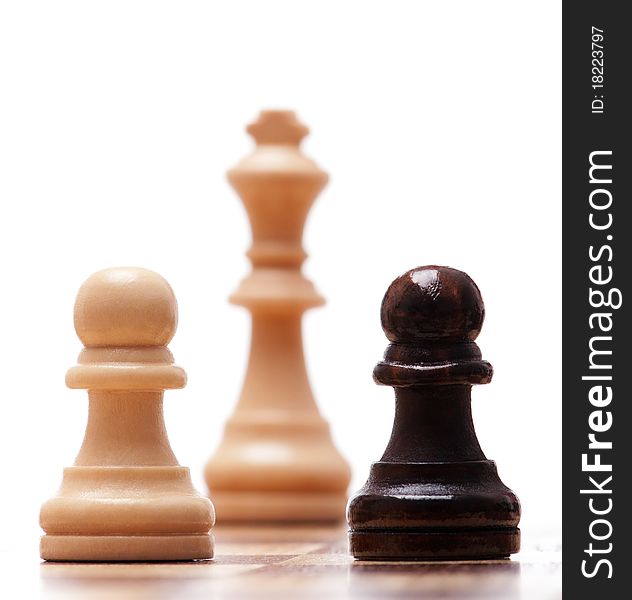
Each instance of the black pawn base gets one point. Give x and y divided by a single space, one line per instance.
434 545
434 511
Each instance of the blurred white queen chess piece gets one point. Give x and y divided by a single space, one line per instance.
277 461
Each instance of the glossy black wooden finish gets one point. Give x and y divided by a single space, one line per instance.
433 494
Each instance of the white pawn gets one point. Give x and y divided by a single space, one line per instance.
126 497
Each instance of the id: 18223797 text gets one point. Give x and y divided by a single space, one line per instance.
598 103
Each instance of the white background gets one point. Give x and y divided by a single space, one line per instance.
439 123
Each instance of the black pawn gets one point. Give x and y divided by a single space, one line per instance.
433 494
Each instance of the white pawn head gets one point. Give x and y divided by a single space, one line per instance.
125 307
125 317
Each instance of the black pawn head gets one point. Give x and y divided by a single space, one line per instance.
432 303
432 315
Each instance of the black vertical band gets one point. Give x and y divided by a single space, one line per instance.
597 263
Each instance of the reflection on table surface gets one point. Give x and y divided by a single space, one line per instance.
289 562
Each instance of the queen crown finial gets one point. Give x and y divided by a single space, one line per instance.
277 127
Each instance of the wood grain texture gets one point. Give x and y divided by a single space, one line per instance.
283 563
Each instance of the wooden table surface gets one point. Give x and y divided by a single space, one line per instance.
259 562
